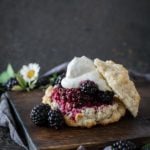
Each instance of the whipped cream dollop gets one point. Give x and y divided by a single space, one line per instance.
80 69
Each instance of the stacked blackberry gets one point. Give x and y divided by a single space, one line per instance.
90 89
87 93
121 145
43 115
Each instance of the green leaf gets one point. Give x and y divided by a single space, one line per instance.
10 71
32 84
21 81
53 78
146 147
6 75
17 88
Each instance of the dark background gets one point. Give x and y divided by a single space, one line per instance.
50 32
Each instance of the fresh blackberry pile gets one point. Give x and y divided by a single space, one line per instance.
43 115
88 87
105 97
39 114
92 92
10 83
55 119
123 145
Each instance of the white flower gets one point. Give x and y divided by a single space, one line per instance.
30 72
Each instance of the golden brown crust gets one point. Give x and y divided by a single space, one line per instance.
118 79
90 117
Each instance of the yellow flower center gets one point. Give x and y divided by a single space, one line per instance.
30 73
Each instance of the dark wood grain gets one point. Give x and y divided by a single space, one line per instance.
137 129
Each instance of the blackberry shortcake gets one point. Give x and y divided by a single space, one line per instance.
93 92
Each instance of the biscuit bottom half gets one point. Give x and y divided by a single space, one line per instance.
88 116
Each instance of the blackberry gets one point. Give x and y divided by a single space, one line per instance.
105 97
10 83
59 78
39 114
88 87
55 119
123 145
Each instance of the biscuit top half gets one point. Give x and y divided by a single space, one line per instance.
117 78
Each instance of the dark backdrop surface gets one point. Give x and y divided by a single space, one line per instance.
50 32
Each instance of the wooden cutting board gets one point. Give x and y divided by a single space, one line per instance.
137 129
